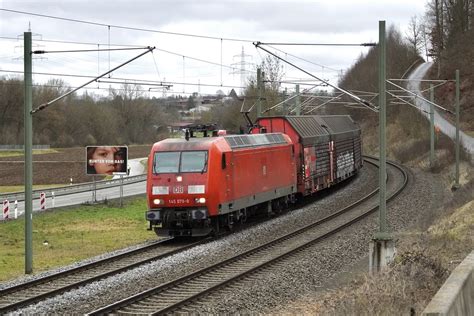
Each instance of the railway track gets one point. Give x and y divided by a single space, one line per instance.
179 294
40 289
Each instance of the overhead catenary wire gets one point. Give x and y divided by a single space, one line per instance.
45 105
124 27
353 96
305 60
137 81
85 50
319 44
420 97
403 101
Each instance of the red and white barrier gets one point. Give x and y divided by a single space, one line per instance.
42 201
6 209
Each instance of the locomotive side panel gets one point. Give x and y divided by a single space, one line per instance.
259 174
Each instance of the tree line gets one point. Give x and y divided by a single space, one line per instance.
126 116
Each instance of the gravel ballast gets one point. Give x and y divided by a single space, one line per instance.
280 285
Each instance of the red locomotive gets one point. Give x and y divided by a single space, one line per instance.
200 185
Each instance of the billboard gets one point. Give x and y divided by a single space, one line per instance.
106 160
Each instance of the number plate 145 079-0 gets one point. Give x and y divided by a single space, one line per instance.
178 201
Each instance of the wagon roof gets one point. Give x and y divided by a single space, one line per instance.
321 128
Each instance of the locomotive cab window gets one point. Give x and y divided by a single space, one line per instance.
193 161
175 162
166 162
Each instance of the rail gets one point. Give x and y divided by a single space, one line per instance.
192 287
74 188
27 293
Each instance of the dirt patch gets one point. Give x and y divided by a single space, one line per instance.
56 168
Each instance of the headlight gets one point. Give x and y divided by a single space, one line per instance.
158 202
196 189
155 190
200 200
179 178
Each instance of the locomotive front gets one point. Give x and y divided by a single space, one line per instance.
177 187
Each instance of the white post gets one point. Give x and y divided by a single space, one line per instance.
52 199
70 182
42 201
16 209
6 209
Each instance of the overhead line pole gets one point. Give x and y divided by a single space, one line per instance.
381 248
28 118
432 157
28 154
383 233
456 183
259 92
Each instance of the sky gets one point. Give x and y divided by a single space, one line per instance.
205 63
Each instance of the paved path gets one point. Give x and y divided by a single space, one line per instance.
444 125
129 189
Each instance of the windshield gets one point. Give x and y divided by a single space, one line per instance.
175 162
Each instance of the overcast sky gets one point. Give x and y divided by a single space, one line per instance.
233 26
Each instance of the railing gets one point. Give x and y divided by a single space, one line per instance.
21 147
74 188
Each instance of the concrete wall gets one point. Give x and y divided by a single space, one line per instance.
456 296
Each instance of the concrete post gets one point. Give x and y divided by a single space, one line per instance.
456 184
432 157
259 92
382 248
28 153
297 101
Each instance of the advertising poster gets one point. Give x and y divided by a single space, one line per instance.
106 160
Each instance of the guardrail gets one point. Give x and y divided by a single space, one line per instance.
22 147
74 188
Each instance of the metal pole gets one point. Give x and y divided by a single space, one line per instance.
259 92
383 232
94 192
431 127
121 190
28 154
298 101
456 184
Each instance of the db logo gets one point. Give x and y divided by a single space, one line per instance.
178 189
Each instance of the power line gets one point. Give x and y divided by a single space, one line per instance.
305 60
321 44
356 98
131 80
85 50
45 105
94 88
70 42
124 27
132 47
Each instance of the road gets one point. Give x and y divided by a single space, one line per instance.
445 126
129 189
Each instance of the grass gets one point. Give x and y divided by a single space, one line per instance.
19 153
21 188
423 263
72 234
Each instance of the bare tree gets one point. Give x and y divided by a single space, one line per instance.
414 34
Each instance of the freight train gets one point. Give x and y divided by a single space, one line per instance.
199 186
